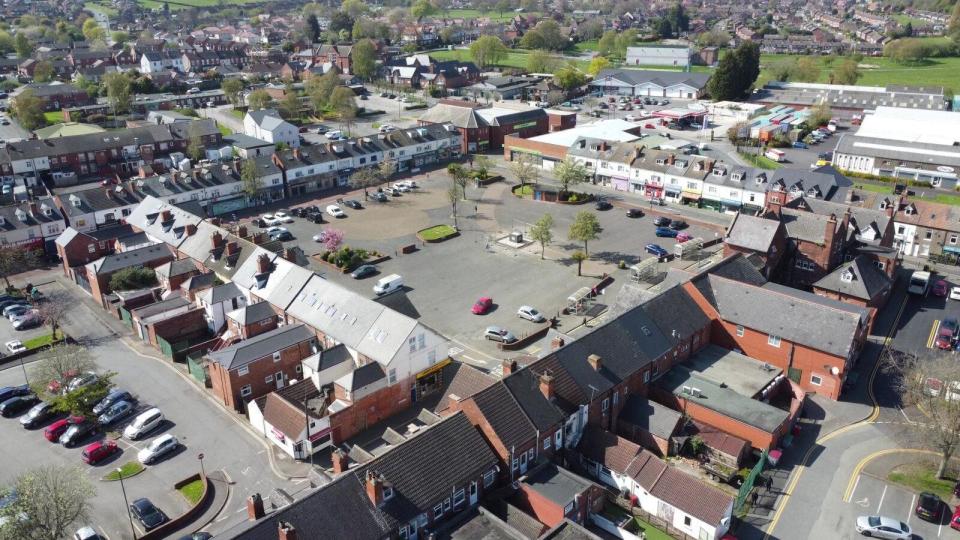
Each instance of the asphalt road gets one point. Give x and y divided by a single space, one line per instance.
13 131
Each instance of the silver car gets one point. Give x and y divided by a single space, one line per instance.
883 527
530 313
495 333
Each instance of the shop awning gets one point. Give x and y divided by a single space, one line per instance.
951 249
691 196
434 368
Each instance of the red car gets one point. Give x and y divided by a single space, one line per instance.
955 519
947 333
649 126
940 288
99 451
482 306
53 432
683 237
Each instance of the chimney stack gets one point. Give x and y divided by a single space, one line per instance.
509 366
242 231
341 461
232 248
165 216
217 240
191 229
255 507
671 159
286 531
215 221
374 486
556 343
595 362
546 386
290 255
34 209
263 264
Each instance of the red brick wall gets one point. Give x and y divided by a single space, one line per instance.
183 325
548 150
756 437
497 133
77 252
227 384
369 410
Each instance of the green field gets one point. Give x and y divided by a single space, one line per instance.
102 7
193 491
476 14
879 71
53 117
183 4
587 46
516 58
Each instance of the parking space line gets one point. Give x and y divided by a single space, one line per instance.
913 497
882 495
933 333
855 484
939 528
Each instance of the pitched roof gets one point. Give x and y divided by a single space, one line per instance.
221 293
557 484
859 278
248 350
252 313
465 382
659 420
636 77
807 226
127 259
364 375
752 232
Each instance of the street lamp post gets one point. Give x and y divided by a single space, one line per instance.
200 457
126 504
25 378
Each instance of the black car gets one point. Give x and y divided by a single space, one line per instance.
261 223
296 212
363 271
283 236
115 396
17 404
147 514
380 197
678 225
37 415
634 213
353 204
76 433
198 536
661 221
929 506
603 204
12 302
8 392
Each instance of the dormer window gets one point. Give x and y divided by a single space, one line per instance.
661 161
761 178
151 218
846 276
909 210
387 493
21 215
737 176
75 201
883 204
719 171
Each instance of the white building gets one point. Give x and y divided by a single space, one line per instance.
659 55
218 301
637 82
267 125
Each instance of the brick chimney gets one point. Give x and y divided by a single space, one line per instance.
255 507
165 216
290 255
509 366
556 343
341 461
34 209
374 485
217 240
191 229
671 159
595 362
546 386
215 221
286 531
242 231
232 248
263 264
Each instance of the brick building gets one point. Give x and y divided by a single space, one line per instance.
483 128
96 279
761 239
552 494
76 249
56 95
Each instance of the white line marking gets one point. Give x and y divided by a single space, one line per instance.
882 495
855 484
940 528
910 508
904 414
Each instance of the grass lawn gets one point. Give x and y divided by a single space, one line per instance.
237 114
922 476
947 199
436 232
53 117
516 58
224 130
493 15
38 341
883 71
193 491
585 46
128 469
762 162
525 191
875 188
102 8
651 532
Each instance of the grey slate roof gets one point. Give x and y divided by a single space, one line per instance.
252 313
248 350
752 232
362 376
661 78
221 293
659 420
326 358
676 314
865 279
127 259
557 484
805 226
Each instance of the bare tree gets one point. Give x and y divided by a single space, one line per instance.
51 501
14 259
460 178
931 381
454 193
525 170
54 309
364 178
58 365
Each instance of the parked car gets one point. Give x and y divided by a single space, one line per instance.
98 451
30 319
158 448
15 346
678 225
16 309
147 514
929 507
666 232
482 306
634 213
947 333
17 404
8 392
113 396
955 293
530 313
883 527
363 271
76 432
495 333
656 250
353 204
144 423
603 204
118 411
683 237
631 118
335 211
54 430
282 217
38 414
800 144
661 221
85 379
940 288
270 220
282 236
955 519
380 197
86 533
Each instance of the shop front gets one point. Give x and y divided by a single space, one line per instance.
712 204
219 207
672 194
690 198
430 380
653 191
730 206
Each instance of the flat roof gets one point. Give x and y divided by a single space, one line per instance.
912 125
740 373
679 113
608 130
556 484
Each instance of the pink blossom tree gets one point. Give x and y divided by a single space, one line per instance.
332 238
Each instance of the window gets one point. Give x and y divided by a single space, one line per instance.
516 464
246 390
412 342
606 404
953 239
243 371
929 235
816 380
437 511
276 356
268 379
458 498
421 341
387 493
403 532
686 520
558 438
91 248
422 520
739 330
298 368
616 398
646 377
488 478
546 443
773 341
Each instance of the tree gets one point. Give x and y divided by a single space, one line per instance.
137 277
258 99
58 365
806 69
386 169
364 178
195 148
597 64
585 227
846 72
546 35
679 18
28 108
250 178
714 38
541 61
542 232
926 380
321 87
421 9
340 21
953 26
623 42
820 114
363 59
569 173
80 402
332 238
664 28
22 45
43 71
93 31
16 259
290 104
343 102
232 88
579 257
483 165
120 37
53 310
736 73
117 87
569 77
6 43
313 28
454 193
607 43
459 176
50 502
524 169
354 8
906 51
487 50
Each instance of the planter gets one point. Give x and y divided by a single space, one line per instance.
187 517
368 260
549 194
437 233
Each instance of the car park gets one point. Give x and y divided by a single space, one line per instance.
656 250
940 288
531 314
113 396
30 319
683 237
883 527
661 221
17 404
85 379
76 432
502 335
98 451
8 392
16 309
118 411
144 423
335 211
363 271
37 415
603 204
281 236
147 514
666 232
158 448
634 213
929 507
482 306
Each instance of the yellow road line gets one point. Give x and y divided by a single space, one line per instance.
848 493
795 476
933 333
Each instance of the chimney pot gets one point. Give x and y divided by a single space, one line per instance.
255 507
217 240
191 229
290 255
263 264
374 485
546 386
286 531
232 248
509 366
595 362
341 461
242 231
165 216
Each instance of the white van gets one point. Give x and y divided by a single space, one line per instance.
144 423
388 284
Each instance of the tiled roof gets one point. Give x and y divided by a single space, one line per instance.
505 416
466 381
752 232
126 259
859 278
659 420
248 350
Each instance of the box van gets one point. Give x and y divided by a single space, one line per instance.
144 423
388 284
775 155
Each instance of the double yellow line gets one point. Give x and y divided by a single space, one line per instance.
933 333
848 493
